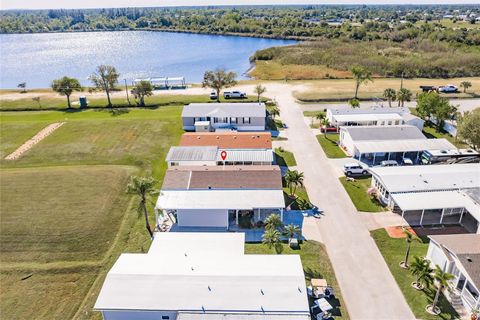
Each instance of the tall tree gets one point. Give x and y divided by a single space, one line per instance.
465 85
420 268
442 112
361 76
259 90
219 79
293 179
325 124
271 238
65 87
105 78
274 112
23 86
468 128
403 95
442 278
409 238
390 94
143 188
141 90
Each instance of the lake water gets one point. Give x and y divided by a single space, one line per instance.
39 58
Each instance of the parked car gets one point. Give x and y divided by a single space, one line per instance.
213 95
407 162
328 129
449 88
354 168
428 88
234 95
389 163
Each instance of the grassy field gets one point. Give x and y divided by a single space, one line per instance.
70 214
393 251
272 70
357 191
329 145
316 264
139 137
65 216
344 89
51 101
285 158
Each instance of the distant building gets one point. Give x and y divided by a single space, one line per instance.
459 254
203 276
205 117
373 117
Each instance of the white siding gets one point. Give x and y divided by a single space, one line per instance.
436 256
347 142
138 315
192 163
417 122
202 218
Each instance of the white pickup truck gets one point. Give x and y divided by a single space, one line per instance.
234 95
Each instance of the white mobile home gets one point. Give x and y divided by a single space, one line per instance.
198 276
221 116
432 195
459 254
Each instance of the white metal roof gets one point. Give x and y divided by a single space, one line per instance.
428 177
373 146
220 199
436 200
237 316
169 280
397 132
253 109
197 244
366 117
373 110
254 155
192 154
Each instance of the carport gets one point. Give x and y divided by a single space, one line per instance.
438 207
210 208
372 152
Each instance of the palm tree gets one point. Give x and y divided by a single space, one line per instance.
273 222
403 95
291 230
293 180
271 238
143 187
325 124
274 112
442 278
465 85
390 94
259 90
361 76
409 238
420 268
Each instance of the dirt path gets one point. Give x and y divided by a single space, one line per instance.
42 134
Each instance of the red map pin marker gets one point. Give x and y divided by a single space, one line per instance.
223 155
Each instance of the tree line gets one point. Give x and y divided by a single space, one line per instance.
365 23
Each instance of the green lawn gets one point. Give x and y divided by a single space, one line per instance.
301 198
137 137
100 101
393 251
65 217
431 133
316 264
329 145
357 191
313 113
285 158
60 213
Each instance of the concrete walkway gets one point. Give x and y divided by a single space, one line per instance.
367 286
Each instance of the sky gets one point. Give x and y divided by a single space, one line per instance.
56 4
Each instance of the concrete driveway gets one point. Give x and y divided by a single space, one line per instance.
368 287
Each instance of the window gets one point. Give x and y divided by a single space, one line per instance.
198 119
246 120
165 317
233 120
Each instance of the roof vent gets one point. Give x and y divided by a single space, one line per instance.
261 291
209 187
209 289
198 137
443 151
469 259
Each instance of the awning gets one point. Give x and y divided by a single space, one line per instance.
408 145
220 199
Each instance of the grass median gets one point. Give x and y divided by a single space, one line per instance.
357 190
329 143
